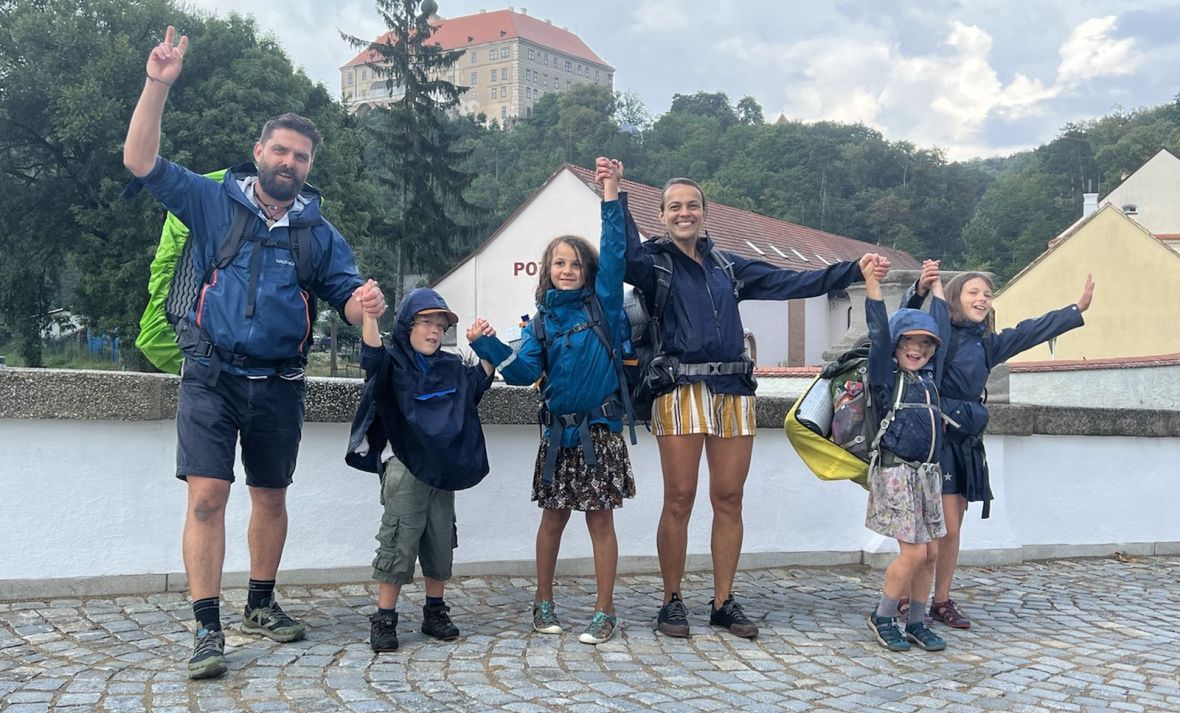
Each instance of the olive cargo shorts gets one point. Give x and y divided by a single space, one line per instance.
418 524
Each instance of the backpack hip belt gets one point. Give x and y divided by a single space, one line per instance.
558 423
716 368
193 341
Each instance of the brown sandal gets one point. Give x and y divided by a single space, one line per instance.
948 614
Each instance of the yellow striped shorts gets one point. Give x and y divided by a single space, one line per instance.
694 408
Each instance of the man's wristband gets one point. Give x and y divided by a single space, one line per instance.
161 81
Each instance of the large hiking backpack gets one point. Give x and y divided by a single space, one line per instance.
835 426
174 282
648 370
597 324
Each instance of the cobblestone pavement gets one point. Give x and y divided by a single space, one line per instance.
1083 635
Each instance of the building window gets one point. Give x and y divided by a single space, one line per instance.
495 73
474 75
493 53
503 92
528 92
546 82
503 112
546 58
473 56
506 53
532 54
596 74
348 79
528 75
504 74
569 66
364 74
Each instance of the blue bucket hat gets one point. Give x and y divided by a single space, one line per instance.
907 321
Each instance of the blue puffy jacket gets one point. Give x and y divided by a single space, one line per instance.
424 408
279 328
579 371
701 322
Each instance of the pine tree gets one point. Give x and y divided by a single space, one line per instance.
416 152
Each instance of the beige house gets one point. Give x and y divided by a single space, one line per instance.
499 279
1136 278
510 61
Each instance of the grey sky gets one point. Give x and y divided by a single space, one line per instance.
975 78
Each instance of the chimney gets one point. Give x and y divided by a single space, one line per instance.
1089 204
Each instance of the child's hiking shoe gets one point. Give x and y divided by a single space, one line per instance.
889 636
924 637
436 622
383 632
208 654
602 626
730 616
673 618
545 617
272 622
948 614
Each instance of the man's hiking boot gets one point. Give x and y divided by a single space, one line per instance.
208 654
730 616
436 622
383 632
272 622
673 618
887 633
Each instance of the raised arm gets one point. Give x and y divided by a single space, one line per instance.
143 134
880 346
1031 332
612 247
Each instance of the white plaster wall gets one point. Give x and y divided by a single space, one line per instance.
1153 189
89 498
1140 387
769 321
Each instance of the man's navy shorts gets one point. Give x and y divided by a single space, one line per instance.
266 412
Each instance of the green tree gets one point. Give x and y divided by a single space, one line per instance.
417 153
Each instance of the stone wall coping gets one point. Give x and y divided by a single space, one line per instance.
93 395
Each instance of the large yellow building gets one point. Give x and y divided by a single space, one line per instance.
510 60
1136 293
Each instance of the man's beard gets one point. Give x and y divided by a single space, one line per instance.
276 188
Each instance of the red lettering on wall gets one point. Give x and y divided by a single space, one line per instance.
529 268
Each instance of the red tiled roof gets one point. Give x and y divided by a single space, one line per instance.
485 27
731 228
1139 362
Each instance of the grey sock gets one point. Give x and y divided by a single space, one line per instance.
916 614
887 607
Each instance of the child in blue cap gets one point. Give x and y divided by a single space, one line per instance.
905 482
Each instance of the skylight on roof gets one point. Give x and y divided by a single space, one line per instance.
801 256
755 248
780 252
822 259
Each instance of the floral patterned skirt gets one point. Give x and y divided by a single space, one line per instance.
906 503
576 486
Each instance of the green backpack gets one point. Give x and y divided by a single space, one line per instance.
172 294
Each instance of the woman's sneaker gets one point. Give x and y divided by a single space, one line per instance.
730 616
924 637
545 617
673 618
602 626
889 636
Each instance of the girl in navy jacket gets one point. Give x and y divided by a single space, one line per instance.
973 350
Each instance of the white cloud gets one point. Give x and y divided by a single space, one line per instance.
657 16
1090 52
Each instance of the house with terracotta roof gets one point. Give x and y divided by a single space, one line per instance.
1130 242
499 279
510 61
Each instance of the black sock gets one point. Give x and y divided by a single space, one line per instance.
434 601
260 594
386 612
207 612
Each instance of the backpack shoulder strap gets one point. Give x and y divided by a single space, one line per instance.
598 324
234 238
301 245
725 261
662 262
